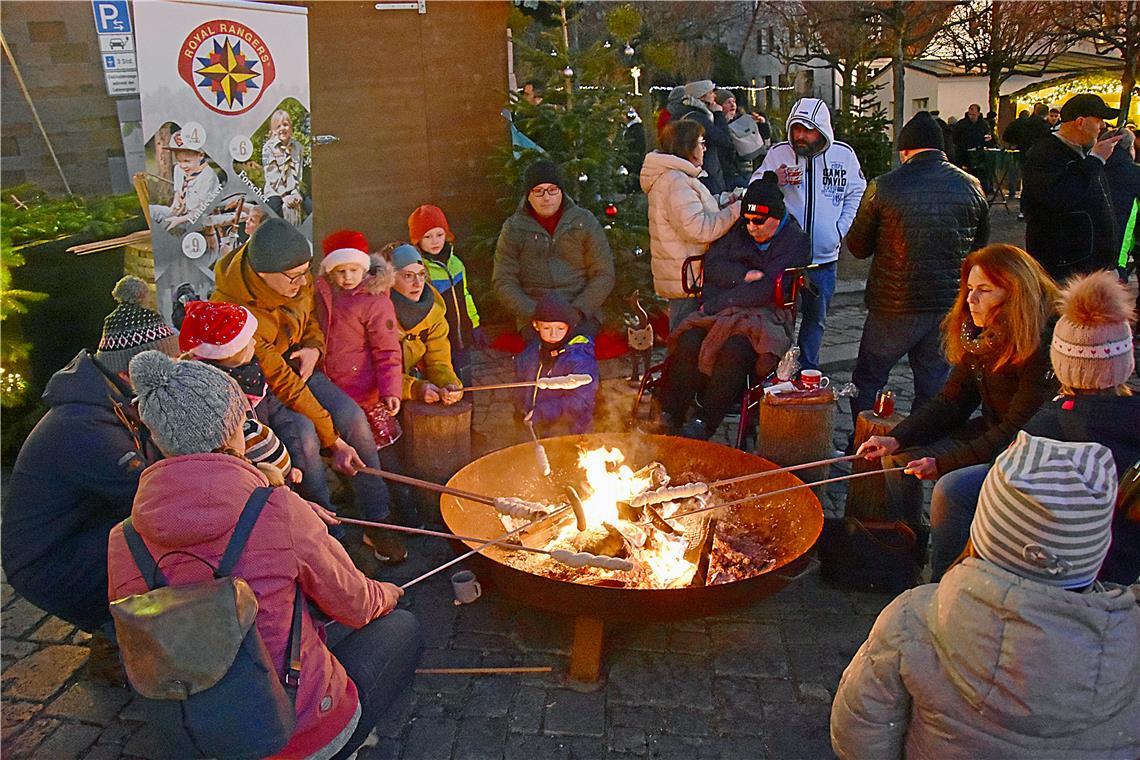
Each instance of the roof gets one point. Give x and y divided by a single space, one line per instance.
1071 62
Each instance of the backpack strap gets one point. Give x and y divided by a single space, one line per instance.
293 665
151 573
244 527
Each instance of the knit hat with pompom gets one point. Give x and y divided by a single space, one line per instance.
190 407
1092 342
133 328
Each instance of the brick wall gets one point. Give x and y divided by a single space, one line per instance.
56 49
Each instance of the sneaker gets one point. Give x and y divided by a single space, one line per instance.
697 430
386 545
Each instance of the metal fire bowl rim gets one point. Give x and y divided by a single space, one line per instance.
567 597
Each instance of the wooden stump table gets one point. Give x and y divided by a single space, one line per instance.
867 497
798 430
437 438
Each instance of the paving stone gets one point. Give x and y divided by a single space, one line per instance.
7 594
487 643
19 618
481 738
572 712
15 717
645 679
67 742
103 752
536 630
41 674
53 630
824 646
628 740
384 749
816 692
397 717
90 703
750 747
651 637
526 710
16 650
538 747
799 731
28 741
491 698
671 747
117 733
146 743
688 642
738 708
431 740
748 649
694 720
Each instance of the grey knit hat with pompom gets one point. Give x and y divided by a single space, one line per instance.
132 328
190 407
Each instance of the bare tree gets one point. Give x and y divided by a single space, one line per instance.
1110 26
996 37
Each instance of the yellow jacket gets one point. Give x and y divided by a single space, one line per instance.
426 345
283 325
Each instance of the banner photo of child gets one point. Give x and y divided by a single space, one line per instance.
282 176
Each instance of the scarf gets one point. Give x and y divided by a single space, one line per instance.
548 352
249 378
442 257
410 313
982 342
548 223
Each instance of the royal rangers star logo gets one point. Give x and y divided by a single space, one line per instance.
227 64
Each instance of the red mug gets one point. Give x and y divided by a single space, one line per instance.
813 379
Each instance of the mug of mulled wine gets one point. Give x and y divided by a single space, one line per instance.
813 380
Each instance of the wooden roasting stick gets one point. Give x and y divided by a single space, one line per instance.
557 382
756 496
481 671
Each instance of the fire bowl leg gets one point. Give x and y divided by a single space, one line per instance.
586 651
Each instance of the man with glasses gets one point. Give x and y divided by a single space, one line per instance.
270 276
552 245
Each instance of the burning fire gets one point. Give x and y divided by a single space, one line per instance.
609 481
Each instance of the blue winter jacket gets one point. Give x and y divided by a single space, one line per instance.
557 411
74 478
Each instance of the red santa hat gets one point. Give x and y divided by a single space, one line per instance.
345 247
213 330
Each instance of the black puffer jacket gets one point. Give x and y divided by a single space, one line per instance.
918 221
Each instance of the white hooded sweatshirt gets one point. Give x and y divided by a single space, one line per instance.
825 201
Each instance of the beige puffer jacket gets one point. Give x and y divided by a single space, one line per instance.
684 218
987 664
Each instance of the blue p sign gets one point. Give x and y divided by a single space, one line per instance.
111 16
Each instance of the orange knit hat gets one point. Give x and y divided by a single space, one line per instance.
426 218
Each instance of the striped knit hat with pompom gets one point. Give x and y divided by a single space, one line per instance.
133 328
1045 511
1092 342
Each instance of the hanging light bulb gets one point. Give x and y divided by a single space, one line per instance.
638 251
567 72
623 171
607 45
583 177
553 53
628 49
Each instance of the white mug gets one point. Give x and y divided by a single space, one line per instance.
465 586
813 379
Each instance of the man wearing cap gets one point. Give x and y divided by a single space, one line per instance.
823 184
699 104
916 223
77 473
1069 224
551 244
270 276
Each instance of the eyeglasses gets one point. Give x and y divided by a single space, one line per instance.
756 221
413 276
701 141
294 279
539 192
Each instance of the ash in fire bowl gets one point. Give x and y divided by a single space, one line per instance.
668 547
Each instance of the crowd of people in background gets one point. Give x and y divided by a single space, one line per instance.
1023 416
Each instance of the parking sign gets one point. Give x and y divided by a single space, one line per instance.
111 16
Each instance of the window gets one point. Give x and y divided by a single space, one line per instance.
771 40
760 41
921 104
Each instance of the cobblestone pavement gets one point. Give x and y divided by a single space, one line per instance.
756 682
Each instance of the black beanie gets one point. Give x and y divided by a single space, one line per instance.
542 172
922 131
553 308
764 198
277 246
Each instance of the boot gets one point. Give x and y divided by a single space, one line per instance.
697 429
387 546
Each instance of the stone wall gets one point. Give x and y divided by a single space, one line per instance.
56 49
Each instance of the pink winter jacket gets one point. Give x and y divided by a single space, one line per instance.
191 503
362 340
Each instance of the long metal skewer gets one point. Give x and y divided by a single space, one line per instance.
790 468
429 485
436 534
755 496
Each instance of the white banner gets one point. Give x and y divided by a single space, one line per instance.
225 111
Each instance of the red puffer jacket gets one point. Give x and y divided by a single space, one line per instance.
191 504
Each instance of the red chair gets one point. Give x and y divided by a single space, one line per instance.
788 284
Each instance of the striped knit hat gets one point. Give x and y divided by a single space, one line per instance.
1045 509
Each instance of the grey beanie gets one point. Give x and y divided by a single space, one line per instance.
405 255
189 407
277 246
133 328
699 88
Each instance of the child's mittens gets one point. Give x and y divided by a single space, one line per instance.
563 382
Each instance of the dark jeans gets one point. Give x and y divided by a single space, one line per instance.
952 508
683 382
381 660
300 438
887 338
813 314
